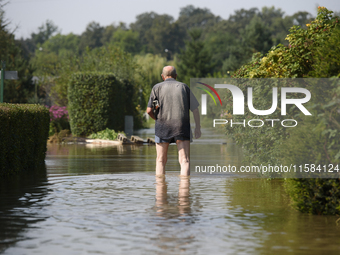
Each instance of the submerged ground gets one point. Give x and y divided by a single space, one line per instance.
106 200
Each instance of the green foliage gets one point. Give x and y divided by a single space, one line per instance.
15 91
45 32
158 32
230 43
315 196
60 45
256 36
195 61
327 56
246 32
297 59
92 37
23 137
191 17
281 62
164 34
126 40
315 139
107 134
149 71
98 101
55 71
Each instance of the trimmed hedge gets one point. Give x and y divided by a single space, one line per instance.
23 137
98 101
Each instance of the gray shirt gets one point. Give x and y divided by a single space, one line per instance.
175 100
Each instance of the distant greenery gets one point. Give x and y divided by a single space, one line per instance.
195 60
225 46
107 134
21 90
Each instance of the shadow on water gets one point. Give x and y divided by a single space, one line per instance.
21 201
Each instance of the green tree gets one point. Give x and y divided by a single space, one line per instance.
236 22
109 31
109 59
15 91
195 60
256 37
92 37
127 40
164 34
191 17
47 59
45 32
149 71
226 51
143 24
61 44
159 32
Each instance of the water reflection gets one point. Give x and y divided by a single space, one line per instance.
108 201
174 209
21 200
162 205
161 194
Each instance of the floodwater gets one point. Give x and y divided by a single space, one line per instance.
107 200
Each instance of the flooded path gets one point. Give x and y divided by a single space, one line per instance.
106 200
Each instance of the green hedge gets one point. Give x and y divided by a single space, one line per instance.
23 136
98 101
315 196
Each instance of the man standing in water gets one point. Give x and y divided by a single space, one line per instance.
172 120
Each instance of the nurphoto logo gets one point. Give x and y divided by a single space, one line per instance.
294 96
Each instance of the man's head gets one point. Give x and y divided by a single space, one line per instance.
169 72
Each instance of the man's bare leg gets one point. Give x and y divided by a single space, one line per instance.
183 148
162 157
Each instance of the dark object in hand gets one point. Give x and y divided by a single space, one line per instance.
155 108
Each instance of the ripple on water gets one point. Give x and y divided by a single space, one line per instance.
122 208
135 212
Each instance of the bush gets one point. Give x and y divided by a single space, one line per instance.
98 101
313 53
315 196
23 137
107 134
59 119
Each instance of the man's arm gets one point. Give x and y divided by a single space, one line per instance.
197 123
150 112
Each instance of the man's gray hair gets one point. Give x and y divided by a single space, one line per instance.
169 71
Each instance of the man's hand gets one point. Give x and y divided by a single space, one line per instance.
197 132
150 112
